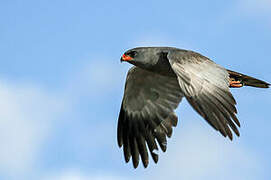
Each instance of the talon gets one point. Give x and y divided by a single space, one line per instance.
236 84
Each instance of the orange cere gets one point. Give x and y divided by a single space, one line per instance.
126 57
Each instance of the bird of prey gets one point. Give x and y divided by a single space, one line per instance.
156 84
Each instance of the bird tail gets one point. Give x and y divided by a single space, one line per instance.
245 80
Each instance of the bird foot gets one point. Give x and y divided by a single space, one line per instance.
236 84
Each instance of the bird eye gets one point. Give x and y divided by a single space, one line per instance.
131 54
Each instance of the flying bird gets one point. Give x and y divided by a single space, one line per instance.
156 84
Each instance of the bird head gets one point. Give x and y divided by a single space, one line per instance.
129 56
143 57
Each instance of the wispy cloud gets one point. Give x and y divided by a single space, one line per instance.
29 113
26 116
73 174
203 154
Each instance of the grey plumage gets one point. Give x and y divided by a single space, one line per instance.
147 113
154 89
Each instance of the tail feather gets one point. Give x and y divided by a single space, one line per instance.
247 80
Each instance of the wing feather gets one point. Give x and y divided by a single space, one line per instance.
206 87
147 114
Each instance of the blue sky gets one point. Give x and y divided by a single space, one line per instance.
61 85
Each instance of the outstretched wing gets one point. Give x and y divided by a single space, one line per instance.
206 87
147 114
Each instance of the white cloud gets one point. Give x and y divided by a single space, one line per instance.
204 154
73 174
26 115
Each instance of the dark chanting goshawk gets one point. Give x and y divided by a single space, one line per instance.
155 86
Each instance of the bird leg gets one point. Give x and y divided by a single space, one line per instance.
235 84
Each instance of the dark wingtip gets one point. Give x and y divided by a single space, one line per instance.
154 157
135 163
127 158
119 143
231 137
237 134
145 163
164 148
223 133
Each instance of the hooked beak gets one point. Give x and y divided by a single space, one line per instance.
125 58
